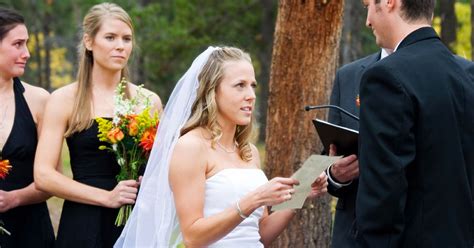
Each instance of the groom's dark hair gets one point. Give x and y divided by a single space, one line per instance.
416 10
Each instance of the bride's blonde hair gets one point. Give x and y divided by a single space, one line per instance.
204 110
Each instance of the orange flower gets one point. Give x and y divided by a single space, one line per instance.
115 135
132 127
147 139
4 168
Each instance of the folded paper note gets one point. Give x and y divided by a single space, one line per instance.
306 175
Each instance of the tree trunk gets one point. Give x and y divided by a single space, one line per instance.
305 55
448 22
265 57
47 20
136 63
39 79
351 38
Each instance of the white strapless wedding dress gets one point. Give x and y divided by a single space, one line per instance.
223 190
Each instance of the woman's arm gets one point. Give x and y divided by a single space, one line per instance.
187 179
50 180
272 225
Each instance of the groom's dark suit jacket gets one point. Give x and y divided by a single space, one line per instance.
344 94
416 149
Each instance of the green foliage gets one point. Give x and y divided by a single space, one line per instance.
463 34
171 33
462 46
368 42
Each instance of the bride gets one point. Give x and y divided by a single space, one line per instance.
204 169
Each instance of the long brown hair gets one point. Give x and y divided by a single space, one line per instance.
9 19
81 117
204 110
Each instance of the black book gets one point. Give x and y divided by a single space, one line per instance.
345 139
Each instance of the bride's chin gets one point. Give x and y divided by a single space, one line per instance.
244 122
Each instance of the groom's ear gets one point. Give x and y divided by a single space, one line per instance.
392 4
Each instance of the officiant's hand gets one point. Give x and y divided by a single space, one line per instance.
345 169
124 193
319 186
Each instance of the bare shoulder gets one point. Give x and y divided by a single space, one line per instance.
35 92
62 99
190 154
191 143
69 91
36 98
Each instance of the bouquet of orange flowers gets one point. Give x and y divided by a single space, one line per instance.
131 134
4 169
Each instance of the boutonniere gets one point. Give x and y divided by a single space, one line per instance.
358 100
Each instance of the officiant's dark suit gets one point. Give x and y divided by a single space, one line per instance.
416 148
344 94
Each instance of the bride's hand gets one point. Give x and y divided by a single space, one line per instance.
319 186
276 191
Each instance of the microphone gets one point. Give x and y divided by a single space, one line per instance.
309 107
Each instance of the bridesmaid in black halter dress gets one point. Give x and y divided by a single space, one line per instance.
23 209
93 196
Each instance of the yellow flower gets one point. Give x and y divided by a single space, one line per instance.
104 127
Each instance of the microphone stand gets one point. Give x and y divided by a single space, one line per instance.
308 108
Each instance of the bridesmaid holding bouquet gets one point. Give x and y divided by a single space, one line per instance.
93 196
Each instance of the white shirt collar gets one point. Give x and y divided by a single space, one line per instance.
383 53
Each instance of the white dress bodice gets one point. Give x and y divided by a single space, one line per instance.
223 190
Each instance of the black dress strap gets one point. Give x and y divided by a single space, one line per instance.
21 105
18 86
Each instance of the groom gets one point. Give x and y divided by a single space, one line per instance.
416 138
